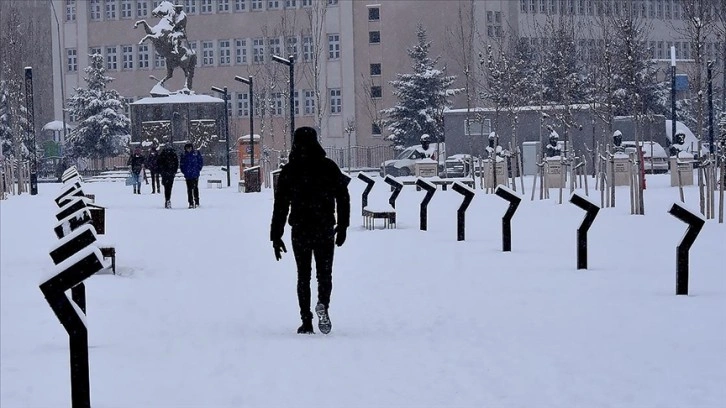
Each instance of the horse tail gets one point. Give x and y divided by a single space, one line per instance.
192 64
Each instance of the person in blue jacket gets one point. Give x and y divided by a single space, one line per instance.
191 165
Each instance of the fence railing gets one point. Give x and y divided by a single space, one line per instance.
360 157
14 177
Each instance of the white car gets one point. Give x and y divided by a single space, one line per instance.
405 163
655 158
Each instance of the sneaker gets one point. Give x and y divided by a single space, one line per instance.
324 323
167 204
306 327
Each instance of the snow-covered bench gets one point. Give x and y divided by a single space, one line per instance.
211 183
386 213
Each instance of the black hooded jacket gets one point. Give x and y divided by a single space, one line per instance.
167 163
311 187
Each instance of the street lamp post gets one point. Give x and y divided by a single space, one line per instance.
249 82
61 78
709 72
290 62
225 95
673 93
29 107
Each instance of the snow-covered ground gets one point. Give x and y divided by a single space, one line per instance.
201 315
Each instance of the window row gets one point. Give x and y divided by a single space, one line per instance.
114 9
655 9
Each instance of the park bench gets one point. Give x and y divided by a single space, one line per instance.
211 183
371 214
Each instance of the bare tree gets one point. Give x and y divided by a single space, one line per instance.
313 70
460 39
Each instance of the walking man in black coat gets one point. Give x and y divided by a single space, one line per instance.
151 164
167 164
312 188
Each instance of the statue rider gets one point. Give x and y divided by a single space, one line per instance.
179 29
677 145
618 142
553 149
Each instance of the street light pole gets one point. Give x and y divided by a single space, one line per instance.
249 82
709 73
673 94
290 62
225 95
61 78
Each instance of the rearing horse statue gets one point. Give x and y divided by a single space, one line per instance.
168 38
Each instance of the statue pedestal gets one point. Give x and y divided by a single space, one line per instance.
489 181
684 168
621 164
555 168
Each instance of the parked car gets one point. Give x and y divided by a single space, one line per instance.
405 163
655 158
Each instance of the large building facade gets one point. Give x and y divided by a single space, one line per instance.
346 52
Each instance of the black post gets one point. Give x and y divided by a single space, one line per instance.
291 58
695 223
514 200
252 123
710 107
225 95
468 194
430 190
370 182
31 130
396 187
673 101
592 210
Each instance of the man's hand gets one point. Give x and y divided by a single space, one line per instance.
279 247
340 234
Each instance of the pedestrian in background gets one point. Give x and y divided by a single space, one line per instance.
167 164
313 189
191 166
136 166
150 164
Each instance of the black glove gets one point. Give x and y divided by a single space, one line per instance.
340 234
279 247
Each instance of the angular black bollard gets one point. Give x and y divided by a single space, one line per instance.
468 194
75 204
514 200
695 223
70 223
73 243
69 174
69 274
396 187
430 190
68 191
592 210
367 191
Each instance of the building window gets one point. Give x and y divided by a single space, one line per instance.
523 6
207 53
72 55
127 56
206 7
111 58
193 45
70 10
374 14
375 129
291 46
309 102
110 9
336 102
223 6
374 37
332 2
126 11
375 69
240 5
256 4
307 48
687 50
296 102
243 104
274 46
258 51
143 56
72 117
142 8
273 4
307 3
95 50
291 4
276 104
376 92
676 10
159 61
190 6
94 7
553 7
240 51
333 46
225 52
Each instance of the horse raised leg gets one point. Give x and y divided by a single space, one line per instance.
145 25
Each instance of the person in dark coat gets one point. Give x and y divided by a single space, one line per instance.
136 166
167 164
153 169
312 188
191 165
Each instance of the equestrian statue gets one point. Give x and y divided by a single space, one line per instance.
169 38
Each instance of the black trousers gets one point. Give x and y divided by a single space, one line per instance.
155 186
306 245
193 191
168 183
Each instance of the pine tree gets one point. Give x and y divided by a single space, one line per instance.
102 126
13 119
422 98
